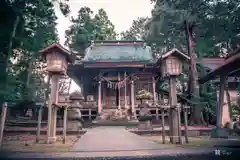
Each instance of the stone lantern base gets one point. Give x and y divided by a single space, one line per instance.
74 125
51 140
145 125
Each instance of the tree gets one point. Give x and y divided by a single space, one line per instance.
86 28
137 31
35 30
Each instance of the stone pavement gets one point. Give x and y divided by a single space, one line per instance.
112 138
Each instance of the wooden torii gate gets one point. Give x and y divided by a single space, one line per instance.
229 68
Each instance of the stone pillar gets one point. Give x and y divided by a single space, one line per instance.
173 110
99 97
154 90
132 100
125 90
52 109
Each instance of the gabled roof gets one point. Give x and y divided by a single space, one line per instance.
59 47
118 52
211 63
176 52
227 66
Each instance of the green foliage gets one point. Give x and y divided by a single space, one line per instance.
35 30
143 94
235 110
216 25
87 27
137 31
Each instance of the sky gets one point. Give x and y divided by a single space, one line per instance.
120 12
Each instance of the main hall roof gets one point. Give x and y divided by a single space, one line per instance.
118 52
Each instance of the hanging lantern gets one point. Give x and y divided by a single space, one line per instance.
56 63
57 58
171 64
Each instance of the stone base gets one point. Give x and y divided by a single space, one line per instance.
51 140
219 133
114 123
74 125
145 125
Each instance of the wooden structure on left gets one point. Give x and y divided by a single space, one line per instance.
57 59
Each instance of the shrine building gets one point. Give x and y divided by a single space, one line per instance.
112 72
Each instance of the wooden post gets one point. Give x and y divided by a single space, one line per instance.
125 90
163 126
179 125
99 97
3 118
132 100
154 90
173 110
221 100
52 109
119 92
186 124
89 114
65 125
39 124
157 115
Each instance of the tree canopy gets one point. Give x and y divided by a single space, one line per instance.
30 26
87 27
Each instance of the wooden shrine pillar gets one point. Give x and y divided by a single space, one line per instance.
65 125
52 109
220 100
119 92
132 100
154 90
125 90
99 97
173 115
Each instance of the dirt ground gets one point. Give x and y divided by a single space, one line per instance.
201 141
27 143
197 142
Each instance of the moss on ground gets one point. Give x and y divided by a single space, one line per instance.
32 146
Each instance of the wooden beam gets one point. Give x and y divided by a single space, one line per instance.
220 100
225 68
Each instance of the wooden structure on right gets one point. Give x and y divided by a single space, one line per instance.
226 74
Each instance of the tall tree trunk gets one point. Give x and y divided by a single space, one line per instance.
6 62
196 115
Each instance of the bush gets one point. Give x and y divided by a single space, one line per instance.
229 125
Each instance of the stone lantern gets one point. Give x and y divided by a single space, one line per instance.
57 59
171 67
74 115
